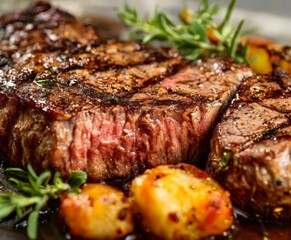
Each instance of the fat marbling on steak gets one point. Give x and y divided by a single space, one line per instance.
71 102
251 148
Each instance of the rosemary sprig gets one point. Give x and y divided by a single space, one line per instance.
197 35
34 193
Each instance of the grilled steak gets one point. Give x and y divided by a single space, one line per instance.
251 148
69 101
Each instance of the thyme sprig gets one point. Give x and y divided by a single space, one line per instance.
34 193
197 35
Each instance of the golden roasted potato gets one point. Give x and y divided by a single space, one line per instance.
181 202
98 212
265 56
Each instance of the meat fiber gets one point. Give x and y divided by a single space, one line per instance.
251 148
71 102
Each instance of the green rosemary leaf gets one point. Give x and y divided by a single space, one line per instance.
214 10
20 173
44 178
57 180
191 54
149 38
32 223
22 186
235 39
44 81
19 212
6 210
227 15
36 187
23 212
168 27
77 179
31 172
24 201
226 33
5 197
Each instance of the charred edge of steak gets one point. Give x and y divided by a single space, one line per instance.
251 148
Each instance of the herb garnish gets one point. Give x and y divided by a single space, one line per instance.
196 36
41 82
225 159
35 192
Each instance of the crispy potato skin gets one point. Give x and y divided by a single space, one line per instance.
99 212
181 202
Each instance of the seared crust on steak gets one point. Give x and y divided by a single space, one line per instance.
43 28
111 109
251 148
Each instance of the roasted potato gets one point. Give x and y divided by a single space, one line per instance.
181 202
265 56
98 212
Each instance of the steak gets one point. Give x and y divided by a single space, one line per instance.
251 148
72 102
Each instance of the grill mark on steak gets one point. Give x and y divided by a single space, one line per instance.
64 92
111 109
95 58
254 138
121 81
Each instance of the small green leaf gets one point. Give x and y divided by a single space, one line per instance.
235 39
19 212
42 82
36 187
77 179
23 212
5 197
192 55
169 32
32 224
199 29
22 186
227 15
31 171
57 179
20 173
6 210
225 159
43 179
149 38
214 9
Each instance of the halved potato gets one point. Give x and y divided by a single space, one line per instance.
181 202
